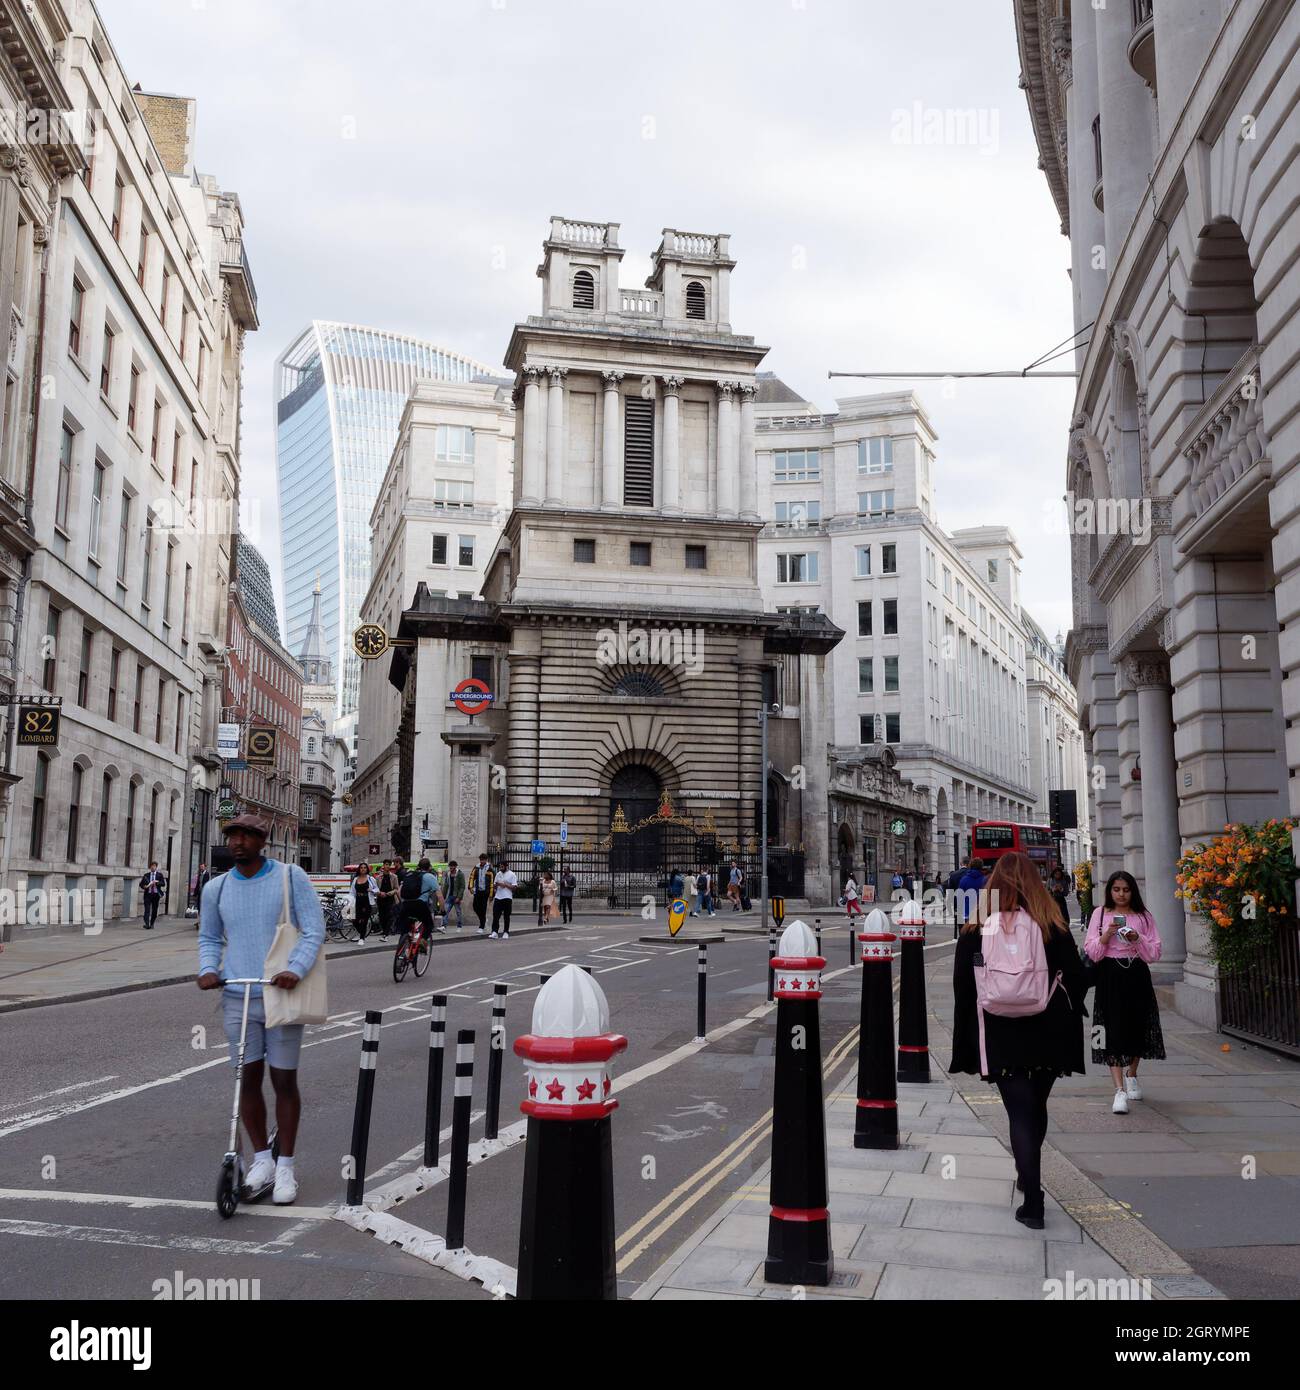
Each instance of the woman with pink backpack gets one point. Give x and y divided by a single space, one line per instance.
1018 989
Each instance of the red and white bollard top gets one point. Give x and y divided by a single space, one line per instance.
797 967
568 1052
876 938
910 921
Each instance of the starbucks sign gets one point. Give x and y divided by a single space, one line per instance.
898 827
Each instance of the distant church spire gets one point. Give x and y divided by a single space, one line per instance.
314 658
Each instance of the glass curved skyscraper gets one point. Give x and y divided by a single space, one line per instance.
339 393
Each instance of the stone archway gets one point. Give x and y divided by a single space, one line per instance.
845 850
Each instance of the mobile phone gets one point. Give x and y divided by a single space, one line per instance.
1118 919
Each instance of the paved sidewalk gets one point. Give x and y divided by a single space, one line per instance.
1162 1194
51 965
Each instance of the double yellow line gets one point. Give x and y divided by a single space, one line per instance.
727 1161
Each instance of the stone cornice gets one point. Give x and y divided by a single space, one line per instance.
1121 555
1042 48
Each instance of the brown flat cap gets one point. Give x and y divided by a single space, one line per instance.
255 825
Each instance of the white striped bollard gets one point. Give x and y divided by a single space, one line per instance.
817 932
701 987
566 1224
462 1092
875 1124
433 1085
496 1050
913 1030
365 1099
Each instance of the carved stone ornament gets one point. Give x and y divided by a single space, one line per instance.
612 380
531 375
557 375
726 389
1147 672
672 384
747 392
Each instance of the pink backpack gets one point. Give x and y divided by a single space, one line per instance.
1013 981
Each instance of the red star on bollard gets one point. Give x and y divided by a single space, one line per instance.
781 985
607 1086
532 1088
555 1090
796 984
587 1089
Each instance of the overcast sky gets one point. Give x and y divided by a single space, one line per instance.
398 161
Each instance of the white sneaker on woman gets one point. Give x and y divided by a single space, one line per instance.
286 1186
1120 1106
1132 1089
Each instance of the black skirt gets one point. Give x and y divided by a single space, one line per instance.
1125 1010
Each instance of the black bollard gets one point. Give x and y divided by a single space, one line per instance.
433 1086
701 987
365 1099
798 1229
875 1125
462 1091
913 1030
496 1053
817 932
771 956
566 1224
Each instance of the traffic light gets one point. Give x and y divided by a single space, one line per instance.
1062 811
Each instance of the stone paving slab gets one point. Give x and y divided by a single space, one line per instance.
981 1218
937 1189
1169 1165
917 1283
996 1254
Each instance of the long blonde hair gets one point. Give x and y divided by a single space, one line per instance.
1017 884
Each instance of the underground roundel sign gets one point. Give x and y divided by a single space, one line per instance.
472 697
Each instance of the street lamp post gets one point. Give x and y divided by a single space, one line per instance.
762 795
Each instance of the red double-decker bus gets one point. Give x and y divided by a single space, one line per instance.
991 839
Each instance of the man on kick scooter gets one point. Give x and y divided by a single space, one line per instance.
239 914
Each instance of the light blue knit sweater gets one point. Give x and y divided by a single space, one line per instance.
241 926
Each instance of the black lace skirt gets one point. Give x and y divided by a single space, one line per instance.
1126 1013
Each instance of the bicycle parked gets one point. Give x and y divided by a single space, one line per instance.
337 925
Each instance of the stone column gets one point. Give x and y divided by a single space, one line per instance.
752 776
531 492
555 438
1077 62
523 769
728 481
611 473
748 463
816 802
672 472
1149 676
467 824
1127 125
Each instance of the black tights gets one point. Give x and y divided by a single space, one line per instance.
1025 1100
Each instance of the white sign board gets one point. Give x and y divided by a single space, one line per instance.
227 740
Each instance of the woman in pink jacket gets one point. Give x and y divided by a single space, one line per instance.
1123 940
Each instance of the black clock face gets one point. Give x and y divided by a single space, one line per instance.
370 640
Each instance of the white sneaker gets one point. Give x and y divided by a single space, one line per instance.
286 1187
505 936
492 936
261 1173
1120 1106
1131 1087
480 932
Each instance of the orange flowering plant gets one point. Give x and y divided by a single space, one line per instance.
1243 884
1083 887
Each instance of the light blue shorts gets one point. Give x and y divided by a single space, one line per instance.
280 1046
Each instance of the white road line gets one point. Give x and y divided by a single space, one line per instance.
115 1199
62 1090
107 1235
492 1274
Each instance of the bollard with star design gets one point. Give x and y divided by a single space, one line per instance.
913 1031
798 1229
876 1122
566 1226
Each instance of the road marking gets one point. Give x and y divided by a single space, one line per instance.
464 1264
49 1095
116 1199
107 1235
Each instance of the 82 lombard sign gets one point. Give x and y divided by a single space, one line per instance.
38 726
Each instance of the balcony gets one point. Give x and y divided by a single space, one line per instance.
647 302
1142 46
243 293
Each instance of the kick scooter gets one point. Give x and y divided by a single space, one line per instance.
231 1187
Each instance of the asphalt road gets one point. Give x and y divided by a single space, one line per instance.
114 1115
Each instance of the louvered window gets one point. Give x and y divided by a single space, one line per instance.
584 290
695 300
638 454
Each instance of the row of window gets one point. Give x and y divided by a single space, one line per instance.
639 554
805 465
464 551
867 675
880 728
889 617
80 787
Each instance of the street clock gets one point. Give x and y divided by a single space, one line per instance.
370 641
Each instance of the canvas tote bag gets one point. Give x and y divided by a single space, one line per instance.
308 1002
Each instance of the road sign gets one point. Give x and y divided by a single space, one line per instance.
361 830
236 765
227 741
564 832
778 910
261 747
472 696
374 849
539 846
38 726
676 915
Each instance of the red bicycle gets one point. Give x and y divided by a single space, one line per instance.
412 952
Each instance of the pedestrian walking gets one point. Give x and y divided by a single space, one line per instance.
1059 887
453 894
389 886
550 894
969 888
1122 938
365 894
153 885
568 887
1018 1012
704 887
897 880
503 900
481 885
852 898
240 912
197 884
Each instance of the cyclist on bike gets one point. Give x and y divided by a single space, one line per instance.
419 900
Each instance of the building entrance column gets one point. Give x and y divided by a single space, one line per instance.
530 493
748 461
728 480
611 460
672 472
555 438
1149 676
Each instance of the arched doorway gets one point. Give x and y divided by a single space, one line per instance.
637 789
845 848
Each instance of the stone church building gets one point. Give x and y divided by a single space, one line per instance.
620 624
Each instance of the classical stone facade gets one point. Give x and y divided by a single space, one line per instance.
1170 148
621 617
